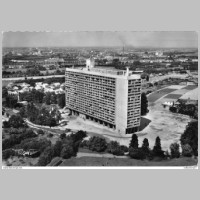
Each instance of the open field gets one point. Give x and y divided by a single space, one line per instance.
100 161
173 91
158 94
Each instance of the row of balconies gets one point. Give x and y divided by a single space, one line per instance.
92 97
98 105
83 84
95 114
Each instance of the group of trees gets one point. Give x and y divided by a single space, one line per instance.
35 96
41 97
189 139
144 152
15 121
32 81
65 148
40 116
99 144
9 100
17 135
185 109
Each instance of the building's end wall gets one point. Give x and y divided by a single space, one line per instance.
121 105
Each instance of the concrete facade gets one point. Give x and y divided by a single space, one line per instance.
110 98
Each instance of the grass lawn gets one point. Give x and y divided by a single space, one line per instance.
190 87
158 94
173 96
98 161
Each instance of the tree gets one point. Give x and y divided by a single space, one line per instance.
32 112
62 136
47 98
52 122
157 150
145 146
11 101
174 148
4 92
61 100
144 104
134 141
187 150
16 121
46 156
97 144
57 148
190 136
53 98
22 112
67 151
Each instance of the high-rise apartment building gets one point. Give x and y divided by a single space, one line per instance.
108 97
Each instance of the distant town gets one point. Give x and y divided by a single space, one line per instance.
99 106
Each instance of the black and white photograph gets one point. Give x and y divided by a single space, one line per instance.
99 99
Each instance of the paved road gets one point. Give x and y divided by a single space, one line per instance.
29 77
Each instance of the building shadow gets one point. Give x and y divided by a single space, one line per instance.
144 122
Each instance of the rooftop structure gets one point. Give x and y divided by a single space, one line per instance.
109 97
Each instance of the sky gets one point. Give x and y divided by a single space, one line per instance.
162 39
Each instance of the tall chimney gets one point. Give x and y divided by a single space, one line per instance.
127 71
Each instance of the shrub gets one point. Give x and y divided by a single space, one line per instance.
84 143
97 144
136 153
187 150
62 136
173 109
174 148
124 148
114 148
